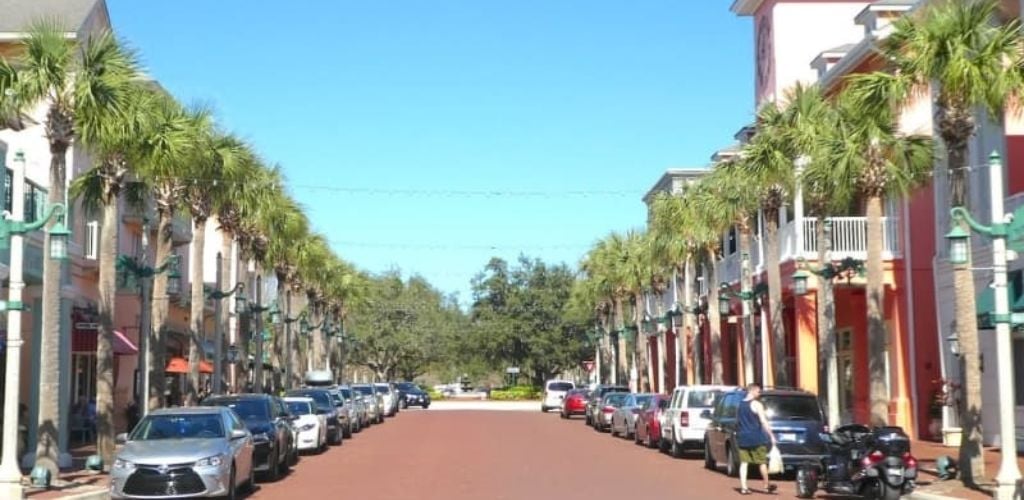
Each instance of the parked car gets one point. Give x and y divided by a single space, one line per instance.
390 396
794 415
554 392
345 414
594 402
199 451
357 410
623 420
574 403
649 422
268 420
410 394
312 427
684 424
325 406
374 400
611 402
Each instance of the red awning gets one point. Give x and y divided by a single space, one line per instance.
83 341
180 365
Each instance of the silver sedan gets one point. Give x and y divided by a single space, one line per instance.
624 418
176 452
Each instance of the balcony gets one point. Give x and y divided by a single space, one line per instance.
849 240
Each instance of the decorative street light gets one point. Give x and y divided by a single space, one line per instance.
1004 227
255 308
12 230
218 296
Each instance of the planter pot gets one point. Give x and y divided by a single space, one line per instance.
951 436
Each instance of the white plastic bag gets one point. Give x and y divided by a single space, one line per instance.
775 461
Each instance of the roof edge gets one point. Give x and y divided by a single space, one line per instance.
745 7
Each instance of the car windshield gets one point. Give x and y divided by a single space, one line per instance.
702 399
383 389
197 426
642 400
615 399
322 398
407 386
791 407
299 407
247 409
559 386
608 390
337 398
346 393
365 390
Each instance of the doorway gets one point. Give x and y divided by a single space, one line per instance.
844 362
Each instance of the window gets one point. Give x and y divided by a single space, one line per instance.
559 386
702 399
792 408
662 404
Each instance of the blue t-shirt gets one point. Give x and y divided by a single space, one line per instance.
749 433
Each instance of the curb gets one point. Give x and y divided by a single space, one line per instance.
923 495
99 494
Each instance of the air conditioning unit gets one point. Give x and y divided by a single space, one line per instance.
92 240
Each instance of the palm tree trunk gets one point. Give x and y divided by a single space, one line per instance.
877 334
643 346
972 463
243 370
48 432
659 311
828 382
780 377
105 340
160 306
688 320
197 333
622 368
747 284
715 319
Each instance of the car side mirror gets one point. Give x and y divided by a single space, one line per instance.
825 437
239 434
121 438
706 414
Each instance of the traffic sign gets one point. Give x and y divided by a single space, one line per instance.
512 370
589 365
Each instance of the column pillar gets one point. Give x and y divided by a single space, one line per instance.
806 310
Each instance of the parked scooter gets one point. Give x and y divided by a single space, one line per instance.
873 463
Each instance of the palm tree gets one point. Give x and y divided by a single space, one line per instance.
218 158
85 88
867 151
970 57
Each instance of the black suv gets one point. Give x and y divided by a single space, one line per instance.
325 405
411 395
594 403
796 419
270 423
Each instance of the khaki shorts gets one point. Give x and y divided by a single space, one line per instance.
756 456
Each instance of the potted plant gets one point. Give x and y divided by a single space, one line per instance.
948 395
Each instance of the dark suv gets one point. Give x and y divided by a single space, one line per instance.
594 403
325 405
795 417
270 423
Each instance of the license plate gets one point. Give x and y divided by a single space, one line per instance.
895 472
787 437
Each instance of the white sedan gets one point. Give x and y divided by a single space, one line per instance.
311 427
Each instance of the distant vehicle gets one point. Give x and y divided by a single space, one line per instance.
796 420
353 408
611 402
594 402
412 395
684 425
624 418
574 403
389 396
650 421
554 391
268 420
325 405
199 451
319 378
373 399
312 427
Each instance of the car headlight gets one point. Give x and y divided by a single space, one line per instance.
307 427
213 461
123 464
261 437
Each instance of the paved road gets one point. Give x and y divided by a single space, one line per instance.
475 455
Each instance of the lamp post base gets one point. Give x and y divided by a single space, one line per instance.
1009 487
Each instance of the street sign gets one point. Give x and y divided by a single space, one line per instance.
589 365
87 326
512 369
232 354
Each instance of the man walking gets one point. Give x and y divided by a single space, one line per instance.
753 437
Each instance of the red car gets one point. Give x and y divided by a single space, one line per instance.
648 421
575 403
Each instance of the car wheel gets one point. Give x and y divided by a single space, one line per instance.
232 489
651 443
286 461
732 465
348 430
250 484
273 471
677 449
663 445
636 435
586 418
709 461
294 459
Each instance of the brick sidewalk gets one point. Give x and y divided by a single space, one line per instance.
75 483
926 452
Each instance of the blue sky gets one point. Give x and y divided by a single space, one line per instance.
391 118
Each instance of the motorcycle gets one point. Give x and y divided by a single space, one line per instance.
874 463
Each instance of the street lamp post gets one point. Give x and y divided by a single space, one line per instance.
307 329
255 308
218 296
287 319
12 229
747 295
1004 226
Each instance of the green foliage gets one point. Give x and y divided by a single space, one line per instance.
517 393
